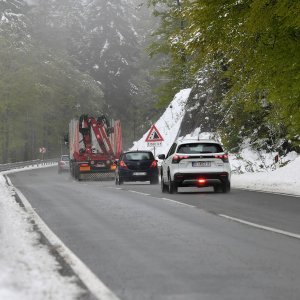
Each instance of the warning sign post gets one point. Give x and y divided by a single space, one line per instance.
154 138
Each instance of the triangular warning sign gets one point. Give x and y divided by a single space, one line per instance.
154 135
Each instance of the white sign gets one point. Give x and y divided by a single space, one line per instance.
43 150
154 144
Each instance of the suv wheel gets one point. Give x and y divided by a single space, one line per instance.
226 187
163 186
172 187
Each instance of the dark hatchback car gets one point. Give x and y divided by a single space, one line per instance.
137 166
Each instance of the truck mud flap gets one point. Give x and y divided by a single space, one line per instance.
97 176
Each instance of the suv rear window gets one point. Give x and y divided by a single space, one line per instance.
65 158
139 156
197 148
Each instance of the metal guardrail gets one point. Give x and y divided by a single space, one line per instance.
31 163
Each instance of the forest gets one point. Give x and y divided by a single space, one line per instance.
60 58
249 53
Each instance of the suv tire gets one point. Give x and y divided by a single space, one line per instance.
226 187
172 187
163 186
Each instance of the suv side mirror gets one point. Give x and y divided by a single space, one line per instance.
161 156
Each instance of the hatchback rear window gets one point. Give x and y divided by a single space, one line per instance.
197 148
139 156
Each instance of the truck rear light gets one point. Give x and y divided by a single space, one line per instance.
122 164
154 164
84 167
202 180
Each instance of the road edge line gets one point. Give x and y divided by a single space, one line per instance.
177 202
266 192
271 229
89 279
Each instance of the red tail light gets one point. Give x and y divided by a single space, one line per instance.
154 164
177 158
122 164
224 157
62 163
202 180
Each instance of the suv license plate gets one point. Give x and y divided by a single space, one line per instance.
201 164
139 173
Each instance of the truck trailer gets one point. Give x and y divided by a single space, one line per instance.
95 144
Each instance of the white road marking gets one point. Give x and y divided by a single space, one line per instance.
92 282
166 199
140 193
290 234
113 188
267 192
177 202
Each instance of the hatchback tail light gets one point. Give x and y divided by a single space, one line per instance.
224 157
122 164
154 164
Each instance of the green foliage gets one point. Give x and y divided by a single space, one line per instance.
39 91
259 42
174 63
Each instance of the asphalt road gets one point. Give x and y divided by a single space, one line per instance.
145 247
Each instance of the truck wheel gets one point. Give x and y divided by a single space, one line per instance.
119 181
77 173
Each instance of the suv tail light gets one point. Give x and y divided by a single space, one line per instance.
224 157
122 164
177 158
154 164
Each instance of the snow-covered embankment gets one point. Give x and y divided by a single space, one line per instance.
258 175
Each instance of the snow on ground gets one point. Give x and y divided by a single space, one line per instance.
282 180
27 270
254 170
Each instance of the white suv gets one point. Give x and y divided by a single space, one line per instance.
199 163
